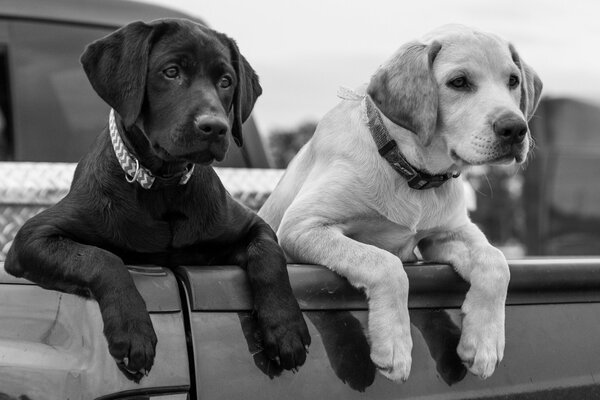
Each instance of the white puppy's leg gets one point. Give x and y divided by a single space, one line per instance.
377 271
481 344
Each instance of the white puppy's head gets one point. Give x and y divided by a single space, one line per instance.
468 91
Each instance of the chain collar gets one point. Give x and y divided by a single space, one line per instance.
134 171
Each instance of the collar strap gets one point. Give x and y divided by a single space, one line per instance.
388 149
134 171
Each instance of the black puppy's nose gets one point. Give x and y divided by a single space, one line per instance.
510 129
211 126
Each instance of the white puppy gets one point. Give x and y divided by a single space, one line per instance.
377 180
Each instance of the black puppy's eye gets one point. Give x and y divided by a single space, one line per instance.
513 81
225 81
459 83
171 72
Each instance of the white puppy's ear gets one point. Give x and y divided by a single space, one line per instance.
405 90
531 85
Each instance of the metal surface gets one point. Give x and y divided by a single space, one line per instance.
12 217
108 13
52 346
157 286
28 188
25 183
550 352
533 281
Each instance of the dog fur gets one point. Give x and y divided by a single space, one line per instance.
177 88
456 98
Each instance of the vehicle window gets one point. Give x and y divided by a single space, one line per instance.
57 115
5 111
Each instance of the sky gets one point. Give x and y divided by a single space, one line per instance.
304 50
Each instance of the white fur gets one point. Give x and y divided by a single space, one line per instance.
340 204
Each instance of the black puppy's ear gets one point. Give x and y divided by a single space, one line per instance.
117 65
531 85
405 90
246 92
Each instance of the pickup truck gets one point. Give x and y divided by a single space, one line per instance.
51 343
52 346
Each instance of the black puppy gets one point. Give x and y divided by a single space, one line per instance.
145 193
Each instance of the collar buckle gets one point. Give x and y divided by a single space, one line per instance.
423 181
131 179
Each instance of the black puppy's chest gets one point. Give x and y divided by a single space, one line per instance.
178 218
186 230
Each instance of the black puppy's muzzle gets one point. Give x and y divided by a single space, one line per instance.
211 127
202 139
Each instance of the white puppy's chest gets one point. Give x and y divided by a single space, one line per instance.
403 217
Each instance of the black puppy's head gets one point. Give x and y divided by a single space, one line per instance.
183 84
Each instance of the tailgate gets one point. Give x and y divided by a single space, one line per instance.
552 340
52 346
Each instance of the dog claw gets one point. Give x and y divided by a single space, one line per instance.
306 348
131 372
385 369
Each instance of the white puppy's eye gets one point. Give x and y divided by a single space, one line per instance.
459 83
514 81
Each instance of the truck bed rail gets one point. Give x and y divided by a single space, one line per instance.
27 188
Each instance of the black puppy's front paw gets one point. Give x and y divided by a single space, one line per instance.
131 337
285 336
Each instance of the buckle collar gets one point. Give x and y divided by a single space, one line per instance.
134 171
388 149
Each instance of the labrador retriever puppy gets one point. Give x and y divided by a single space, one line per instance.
146 194
377 180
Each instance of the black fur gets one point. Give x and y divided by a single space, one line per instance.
82 244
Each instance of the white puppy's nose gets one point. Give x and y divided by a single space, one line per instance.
510 129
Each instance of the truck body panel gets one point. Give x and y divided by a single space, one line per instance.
549 352
52 346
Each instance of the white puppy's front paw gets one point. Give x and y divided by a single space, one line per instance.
481 346
391 352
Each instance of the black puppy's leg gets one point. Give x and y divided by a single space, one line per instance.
44 255
285 334
253 336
